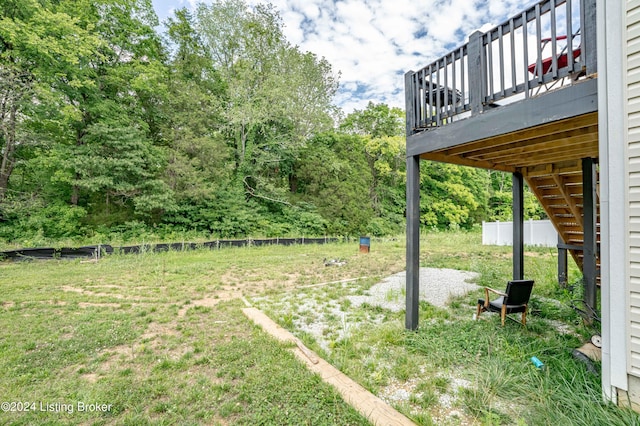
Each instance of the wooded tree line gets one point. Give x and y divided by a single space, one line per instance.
217 125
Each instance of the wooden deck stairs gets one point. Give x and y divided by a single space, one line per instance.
560 193
549 157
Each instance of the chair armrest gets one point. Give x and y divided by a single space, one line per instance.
486 295
489 289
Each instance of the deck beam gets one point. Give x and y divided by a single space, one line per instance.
558 105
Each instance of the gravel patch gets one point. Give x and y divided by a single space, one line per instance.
320 311
437 286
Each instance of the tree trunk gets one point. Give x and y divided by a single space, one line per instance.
293 183
74 195
8 160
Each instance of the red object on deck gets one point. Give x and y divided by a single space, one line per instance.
546 63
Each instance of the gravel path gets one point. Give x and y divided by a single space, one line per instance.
436 287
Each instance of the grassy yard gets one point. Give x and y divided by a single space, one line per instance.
160 339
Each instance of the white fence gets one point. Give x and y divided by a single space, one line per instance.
536 233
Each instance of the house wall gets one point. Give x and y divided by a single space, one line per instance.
632 118
619 128
613 131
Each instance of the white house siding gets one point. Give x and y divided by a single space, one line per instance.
632 82
616 43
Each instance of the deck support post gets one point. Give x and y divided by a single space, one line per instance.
518 226
562 263
413 242
477 72
588 19
589 265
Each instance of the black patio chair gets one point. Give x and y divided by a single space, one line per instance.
514 299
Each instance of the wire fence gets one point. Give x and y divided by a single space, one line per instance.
96 251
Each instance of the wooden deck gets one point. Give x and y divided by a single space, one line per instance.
480 105
548 155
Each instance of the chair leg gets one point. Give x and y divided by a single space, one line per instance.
478 311
524 317
503 314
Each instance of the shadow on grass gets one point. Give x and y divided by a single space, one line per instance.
505 386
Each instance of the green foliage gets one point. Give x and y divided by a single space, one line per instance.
500 199
276 96
223 127
224 213
377 120
332 176
32 220
386 158
454 196
120 163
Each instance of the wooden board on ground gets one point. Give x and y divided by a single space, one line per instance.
373 408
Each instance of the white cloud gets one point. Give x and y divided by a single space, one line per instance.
374 42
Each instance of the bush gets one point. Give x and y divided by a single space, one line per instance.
33 219
380 227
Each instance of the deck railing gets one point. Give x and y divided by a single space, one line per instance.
551 44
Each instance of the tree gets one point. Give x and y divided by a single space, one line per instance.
40 49
199 159
14 88
376 120
453 196
112 153
385 157
93 105
501 199
276 96
333 176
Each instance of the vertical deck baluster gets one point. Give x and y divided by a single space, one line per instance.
454 88
525 52
490 67
437 94
424 119
446 88
501 55
462 76
512 31
431 95
416 98
417 102
570 58
422 100
554 41
539 46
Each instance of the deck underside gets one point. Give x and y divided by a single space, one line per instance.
546 148
544 143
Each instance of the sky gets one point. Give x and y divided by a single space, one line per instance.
373 43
